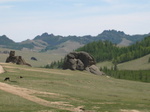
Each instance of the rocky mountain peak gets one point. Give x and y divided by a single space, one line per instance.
112 32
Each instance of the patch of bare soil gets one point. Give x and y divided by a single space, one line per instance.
28 94
124 110
1 69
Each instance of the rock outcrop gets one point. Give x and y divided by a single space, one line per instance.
81 61
34 59
16 59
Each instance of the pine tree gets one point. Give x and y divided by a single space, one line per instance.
149 60
115 67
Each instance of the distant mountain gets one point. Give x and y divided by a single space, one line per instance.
46 42
117 37
4 40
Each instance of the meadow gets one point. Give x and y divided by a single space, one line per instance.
42 58
53 90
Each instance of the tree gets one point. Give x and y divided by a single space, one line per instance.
149 60
115 67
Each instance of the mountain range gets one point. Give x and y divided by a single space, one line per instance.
65 44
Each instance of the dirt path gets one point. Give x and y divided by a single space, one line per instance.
1 69
29 95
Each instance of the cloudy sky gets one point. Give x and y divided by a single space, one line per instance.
25 19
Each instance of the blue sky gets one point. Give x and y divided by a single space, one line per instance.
25 19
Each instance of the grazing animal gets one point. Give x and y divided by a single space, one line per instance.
7 79
20 77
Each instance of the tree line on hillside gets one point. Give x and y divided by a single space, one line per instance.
55 64
135 75
106 51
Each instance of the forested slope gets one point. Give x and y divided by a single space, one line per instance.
105 50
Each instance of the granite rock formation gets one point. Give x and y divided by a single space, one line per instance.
16 59
81 61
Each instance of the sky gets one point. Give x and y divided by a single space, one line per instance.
25 19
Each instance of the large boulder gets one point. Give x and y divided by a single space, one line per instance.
81 61
95 70
16 59
34 59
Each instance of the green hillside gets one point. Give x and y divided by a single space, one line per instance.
137 70
51 90
137 64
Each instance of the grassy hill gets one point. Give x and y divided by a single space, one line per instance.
137 64
51 90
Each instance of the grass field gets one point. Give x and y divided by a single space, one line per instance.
13 103
66 90
43 58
